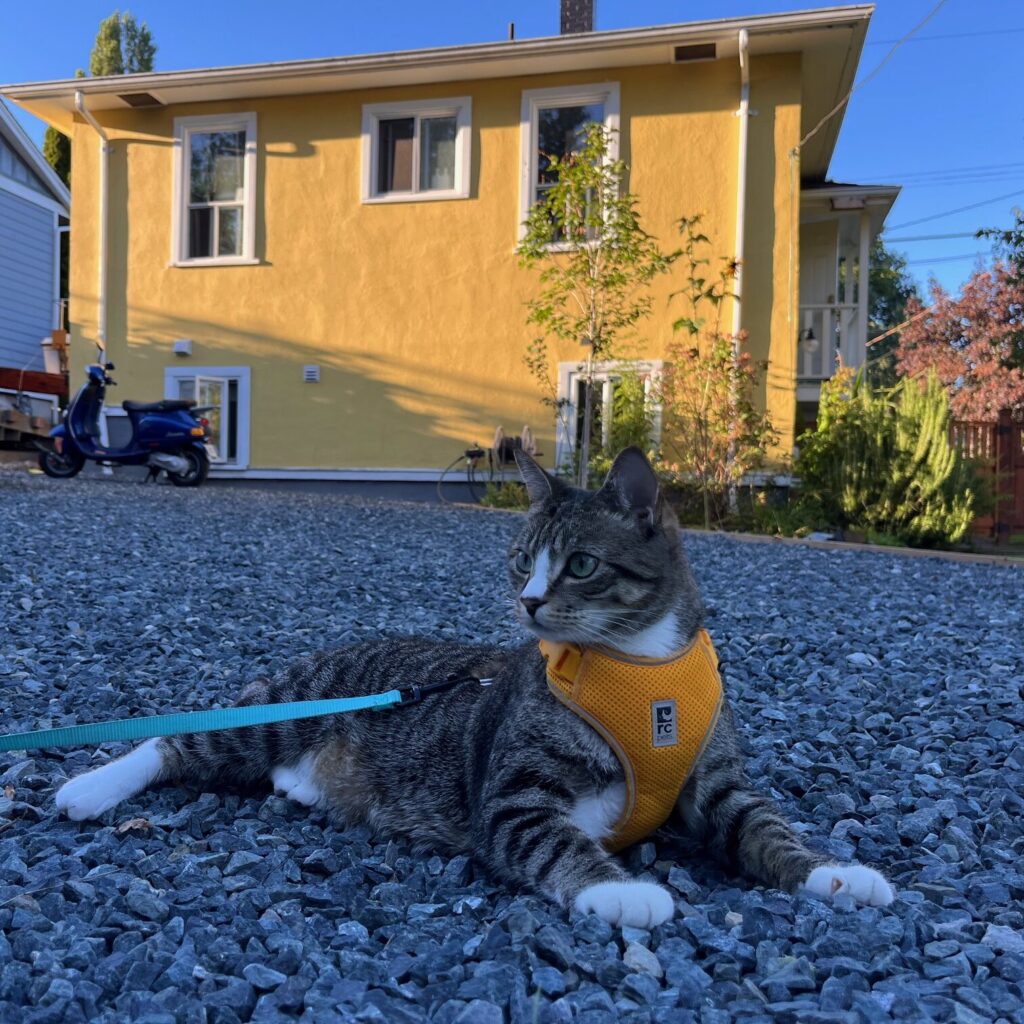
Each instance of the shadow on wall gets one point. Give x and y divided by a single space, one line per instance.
366 402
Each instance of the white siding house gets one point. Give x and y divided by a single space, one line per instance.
34 205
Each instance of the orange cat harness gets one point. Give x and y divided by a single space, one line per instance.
657 716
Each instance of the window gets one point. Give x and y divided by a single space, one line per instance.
572 390
225 390
215 184
416 151
553 123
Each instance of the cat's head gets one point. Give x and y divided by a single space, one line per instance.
606 567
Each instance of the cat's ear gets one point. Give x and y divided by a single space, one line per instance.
632 483
541 487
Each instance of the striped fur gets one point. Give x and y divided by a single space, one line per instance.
505 772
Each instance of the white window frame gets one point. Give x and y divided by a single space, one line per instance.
536 100
459 107
569 373
184 128
243 374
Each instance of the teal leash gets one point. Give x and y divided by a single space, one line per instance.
223 718
195 721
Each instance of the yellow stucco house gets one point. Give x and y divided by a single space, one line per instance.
325 249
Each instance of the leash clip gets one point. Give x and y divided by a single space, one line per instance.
417 691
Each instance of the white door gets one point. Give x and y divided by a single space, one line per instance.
225 390
213 391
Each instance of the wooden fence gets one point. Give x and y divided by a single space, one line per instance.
999 448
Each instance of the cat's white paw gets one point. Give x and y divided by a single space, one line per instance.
865 885
297 783
632 904
91 794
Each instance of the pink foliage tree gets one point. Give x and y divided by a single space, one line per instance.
974 342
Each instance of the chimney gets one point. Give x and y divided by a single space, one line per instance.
577 16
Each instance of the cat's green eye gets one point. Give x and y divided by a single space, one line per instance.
581 566
524 563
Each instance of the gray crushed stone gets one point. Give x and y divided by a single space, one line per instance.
881 702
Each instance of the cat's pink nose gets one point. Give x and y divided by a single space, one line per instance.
531 604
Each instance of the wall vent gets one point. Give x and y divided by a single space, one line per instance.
140 99
311 374
694 51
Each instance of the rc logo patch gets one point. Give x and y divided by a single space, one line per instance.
663 723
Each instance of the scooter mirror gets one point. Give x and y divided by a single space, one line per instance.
109 366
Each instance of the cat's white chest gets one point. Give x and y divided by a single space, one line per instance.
597 813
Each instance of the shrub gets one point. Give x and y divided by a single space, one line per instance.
508 494
713 433
882 461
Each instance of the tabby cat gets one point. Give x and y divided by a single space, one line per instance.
506 772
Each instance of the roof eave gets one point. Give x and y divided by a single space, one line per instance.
769 33
27 150
405 59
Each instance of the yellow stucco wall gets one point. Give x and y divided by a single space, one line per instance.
415 311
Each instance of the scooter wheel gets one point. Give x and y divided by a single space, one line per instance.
61 466
199 468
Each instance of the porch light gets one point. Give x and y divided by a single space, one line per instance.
809 339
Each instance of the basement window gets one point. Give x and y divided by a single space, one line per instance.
416 151
214 186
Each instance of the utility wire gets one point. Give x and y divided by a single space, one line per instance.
932 238
864 81
995 179
950 259
959 209
953 170
952 35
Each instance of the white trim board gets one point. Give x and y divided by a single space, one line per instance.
382 475
31 195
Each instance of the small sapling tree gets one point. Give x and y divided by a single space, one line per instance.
712 432
595 262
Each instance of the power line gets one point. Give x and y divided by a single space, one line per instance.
952 35
950 259
864 81
998 179
953 170
933 238
959 209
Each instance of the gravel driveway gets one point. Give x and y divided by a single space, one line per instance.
881 699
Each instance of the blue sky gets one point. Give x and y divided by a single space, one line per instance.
942 118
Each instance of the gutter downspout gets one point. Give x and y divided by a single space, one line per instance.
743 113
101 329
741 189
101 313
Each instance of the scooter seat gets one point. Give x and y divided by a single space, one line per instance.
167 405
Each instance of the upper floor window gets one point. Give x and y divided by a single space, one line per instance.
417 150
554 124
215 184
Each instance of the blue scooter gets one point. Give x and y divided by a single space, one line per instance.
166 435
